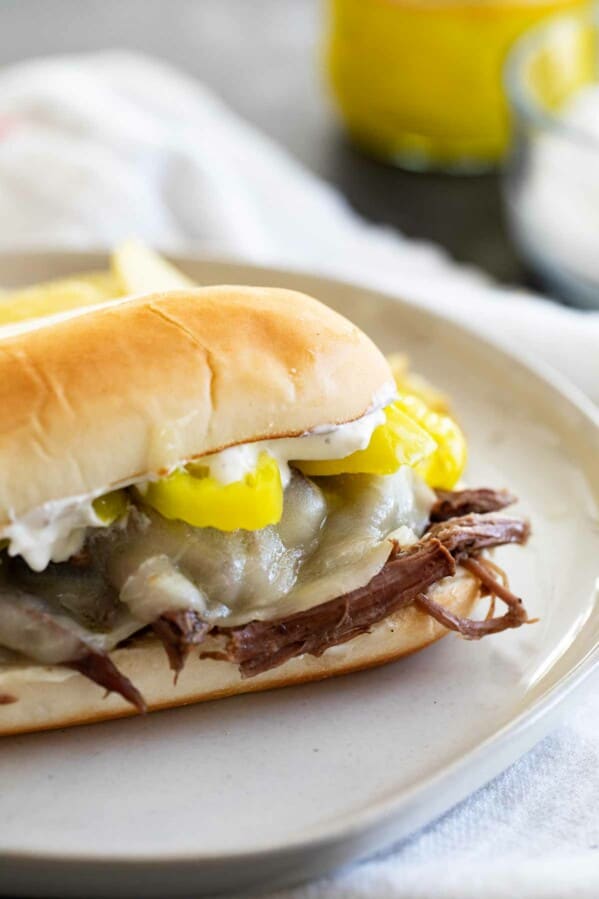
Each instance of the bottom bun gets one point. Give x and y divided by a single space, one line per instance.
40 698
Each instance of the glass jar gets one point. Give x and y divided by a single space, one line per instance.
418 82
551 180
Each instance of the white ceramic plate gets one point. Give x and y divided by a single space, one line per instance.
274 788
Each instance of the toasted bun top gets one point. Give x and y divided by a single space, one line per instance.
134 387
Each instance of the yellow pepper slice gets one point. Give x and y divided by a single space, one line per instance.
444 467
111 506
192 495
400 441
410 382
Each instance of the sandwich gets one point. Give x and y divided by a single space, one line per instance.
211 491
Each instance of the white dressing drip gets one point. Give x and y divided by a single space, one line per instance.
325 442
52 532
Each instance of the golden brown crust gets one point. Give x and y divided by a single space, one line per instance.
44 704
137 386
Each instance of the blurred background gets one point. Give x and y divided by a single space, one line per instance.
399 103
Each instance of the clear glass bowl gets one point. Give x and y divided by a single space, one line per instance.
551 183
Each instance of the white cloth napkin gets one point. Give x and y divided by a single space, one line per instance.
99 148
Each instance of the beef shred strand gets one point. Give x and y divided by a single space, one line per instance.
473 533
179 631
455 503
99 668
469 627
261 645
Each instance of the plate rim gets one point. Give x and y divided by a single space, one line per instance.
380 812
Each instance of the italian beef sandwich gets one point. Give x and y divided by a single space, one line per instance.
218 490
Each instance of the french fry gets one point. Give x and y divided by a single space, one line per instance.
49 298
139 269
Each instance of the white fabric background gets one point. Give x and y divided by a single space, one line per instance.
97 149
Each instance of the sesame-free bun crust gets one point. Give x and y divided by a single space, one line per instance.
43 703
136 386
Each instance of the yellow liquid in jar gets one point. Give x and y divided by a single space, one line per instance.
419 82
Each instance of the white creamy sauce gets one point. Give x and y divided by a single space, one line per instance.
56 530
324 442
52 532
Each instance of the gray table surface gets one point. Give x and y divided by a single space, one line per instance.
264 58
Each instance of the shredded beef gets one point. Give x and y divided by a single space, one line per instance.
31 625
455 503
179 631
98 667
462 526
473 533
261 645
469 627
